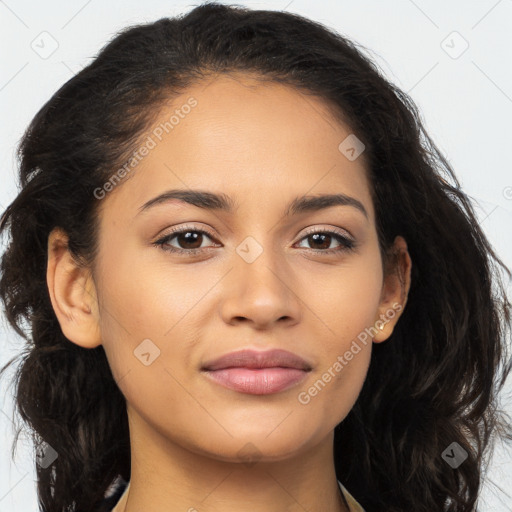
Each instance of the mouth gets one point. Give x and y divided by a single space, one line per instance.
256 372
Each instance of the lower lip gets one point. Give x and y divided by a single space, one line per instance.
260 381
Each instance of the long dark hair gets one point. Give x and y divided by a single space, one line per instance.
433 383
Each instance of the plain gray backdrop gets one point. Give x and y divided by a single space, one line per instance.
453 58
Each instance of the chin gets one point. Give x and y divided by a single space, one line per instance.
253 445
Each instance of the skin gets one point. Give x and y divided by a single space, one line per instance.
263 145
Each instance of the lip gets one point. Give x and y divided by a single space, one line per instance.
257 372
258 359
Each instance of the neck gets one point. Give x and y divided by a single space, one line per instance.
172 478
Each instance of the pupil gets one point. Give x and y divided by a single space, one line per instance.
318 235
191 238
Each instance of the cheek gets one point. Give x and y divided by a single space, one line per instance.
350 300
348 309
332 390
144 297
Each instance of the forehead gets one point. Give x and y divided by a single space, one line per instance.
246 138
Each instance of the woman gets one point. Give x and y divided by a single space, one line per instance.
333 338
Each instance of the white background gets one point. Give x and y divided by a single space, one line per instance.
466 103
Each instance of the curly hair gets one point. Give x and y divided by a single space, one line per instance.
436 380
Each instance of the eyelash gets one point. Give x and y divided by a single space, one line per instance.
346 244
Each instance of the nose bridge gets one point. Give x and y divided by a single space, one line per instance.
259 288
257 266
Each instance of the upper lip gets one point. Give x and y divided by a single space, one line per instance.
258 359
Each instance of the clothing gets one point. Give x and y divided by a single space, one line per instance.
120 487
353 505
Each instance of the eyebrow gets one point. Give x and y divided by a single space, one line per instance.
222 202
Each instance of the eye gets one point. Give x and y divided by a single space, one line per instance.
323 238
190 240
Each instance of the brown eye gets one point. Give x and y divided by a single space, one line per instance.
185 240
188 239
321 241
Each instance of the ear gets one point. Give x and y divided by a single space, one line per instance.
395 289
72 293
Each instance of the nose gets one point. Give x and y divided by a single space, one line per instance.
260 293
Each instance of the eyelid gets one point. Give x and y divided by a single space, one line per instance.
186 227
317 229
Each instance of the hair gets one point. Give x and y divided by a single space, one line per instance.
434 382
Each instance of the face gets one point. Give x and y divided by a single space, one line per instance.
257 274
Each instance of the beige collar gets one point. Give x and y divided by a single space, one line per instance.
121 504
